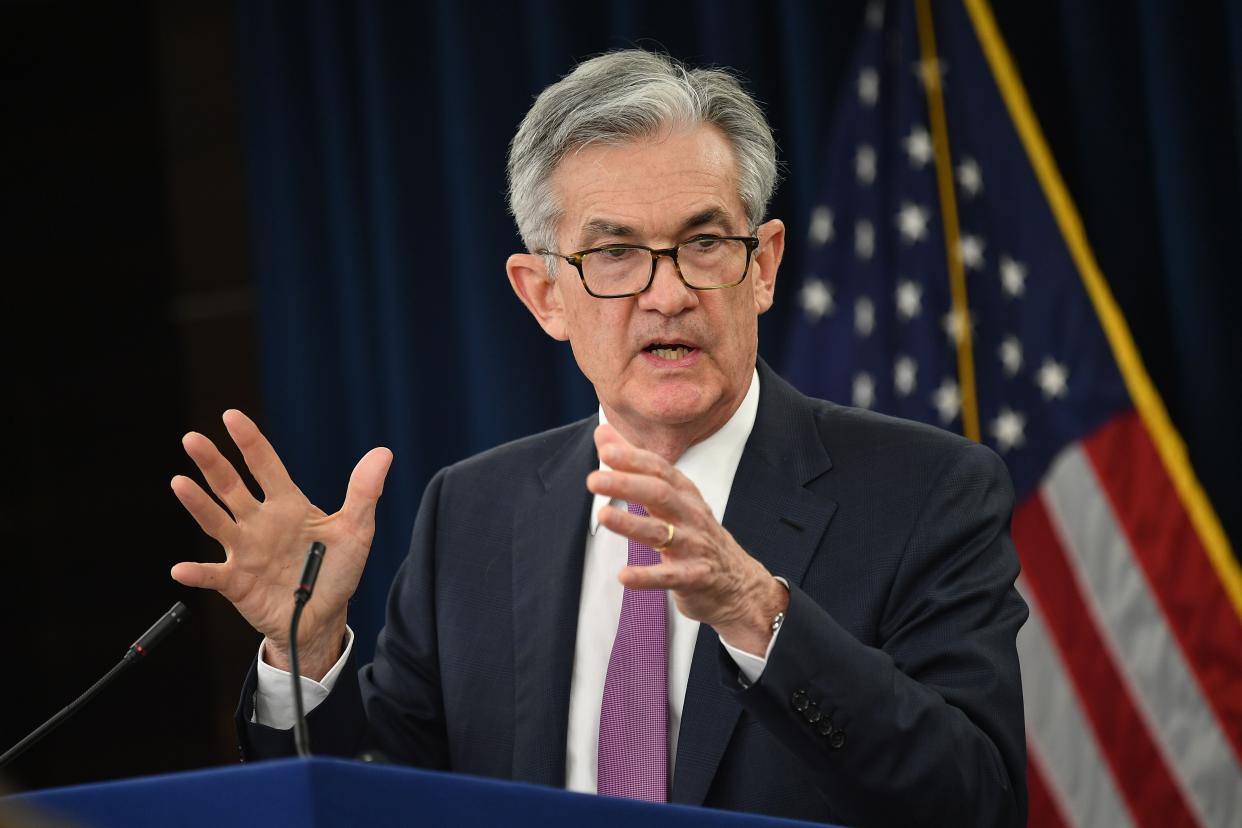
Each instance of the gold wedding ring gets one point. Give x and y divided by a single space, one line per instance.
672 533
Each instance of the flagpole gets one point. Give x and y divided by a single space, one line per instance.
962 334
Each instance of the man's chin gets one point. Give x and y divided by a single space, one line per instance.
670 403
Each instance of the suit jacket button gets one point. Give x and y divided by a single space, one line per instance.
801 701
837 739
825 728
813 714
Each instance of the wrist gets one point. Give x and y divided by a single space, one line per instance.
752 630
316 653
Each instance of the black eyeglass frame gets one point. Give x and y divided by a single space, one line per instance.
575 259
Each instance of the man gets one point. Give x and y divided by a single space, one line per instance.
814 614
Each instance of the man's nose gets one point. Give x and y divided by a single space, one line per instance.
668 294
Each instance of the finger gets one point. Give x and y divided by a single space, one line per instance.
366 484
658 495
607 435
219 474
206 512
201 575
650 531
666 575
260 457
619 454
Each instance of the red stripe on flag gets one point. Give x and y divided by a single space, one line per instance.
1142 776
1178 571
1043 811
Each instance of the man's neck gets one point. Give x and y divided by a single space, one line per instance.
671 441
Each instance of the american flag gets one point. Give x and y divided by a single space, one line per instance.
949 280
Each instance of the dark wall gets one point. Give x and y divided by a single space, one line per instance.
128 317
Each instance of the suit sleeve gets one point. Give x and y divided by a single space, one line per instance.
392 707
927 725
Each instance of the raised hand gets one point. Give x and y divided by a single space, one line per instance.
265 541
712 578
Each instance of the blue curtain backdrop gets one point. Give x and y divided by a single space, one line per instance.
376 137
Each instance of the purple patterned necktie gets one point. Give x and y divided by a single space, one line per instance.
633 722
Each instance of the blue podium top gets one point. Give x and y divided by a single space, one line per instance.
332 792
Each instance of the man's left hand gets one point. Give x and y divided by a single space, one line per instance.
713 580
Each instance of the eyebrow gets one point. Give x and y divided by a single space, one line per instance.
598 228
712 215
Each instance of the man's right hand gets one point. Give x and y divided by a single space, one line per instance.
265 542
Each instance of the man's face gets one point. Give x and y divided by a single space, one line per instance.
671 357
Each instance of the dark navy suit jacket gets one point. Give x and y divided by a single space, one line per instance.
892 695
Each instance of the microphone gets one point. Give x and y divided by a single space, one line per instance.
310 573
137 651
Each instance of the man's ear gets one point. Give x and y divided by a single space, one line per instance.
767 260
540 294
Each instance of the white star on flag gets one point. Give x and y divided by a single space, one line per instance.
1013 276
1011 355
947 400
875 15
1052 378
909 299
864 390
971 249
864 239
868 86
1009 429
904 371
912 221
864 164
816 299
918 146
956 324
821 225
969 177
864 317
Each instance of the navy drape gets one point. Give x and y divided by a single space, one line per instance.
376 138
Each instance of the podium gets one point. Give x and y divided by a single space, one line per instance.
327 793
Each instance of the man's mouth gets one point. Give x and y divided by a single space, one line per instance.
670 351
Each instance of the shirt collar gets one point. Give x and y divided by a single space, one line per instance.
711 463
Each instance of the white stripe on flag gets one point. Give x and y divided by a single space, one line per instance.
1057 731
1134 628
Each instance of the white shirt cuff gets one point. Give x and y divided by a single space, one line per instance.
750 664
273 700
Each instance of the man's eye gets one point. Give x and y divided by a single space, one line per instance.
617 252
705 243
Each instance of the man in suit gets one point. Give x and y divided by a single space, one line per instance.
717 591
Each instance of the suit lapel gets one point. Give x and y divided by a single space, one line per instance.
549 538
777 520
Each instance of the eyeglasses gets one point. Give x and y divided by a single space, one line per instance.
616 271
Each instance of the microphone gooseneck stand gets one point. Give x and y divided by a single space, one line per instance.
310 572
136 652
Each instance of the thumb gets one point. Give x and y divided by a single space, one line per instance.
200 575
606 434
366 484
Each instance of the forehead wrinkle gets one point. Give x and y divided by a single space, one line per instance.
594 187
597 227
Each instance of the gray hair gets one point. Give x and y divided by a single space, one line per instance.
619 97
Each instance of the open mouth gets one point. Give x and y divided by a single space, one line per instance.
670 351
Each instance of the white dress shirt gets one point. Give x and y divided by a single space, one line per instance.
711 466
